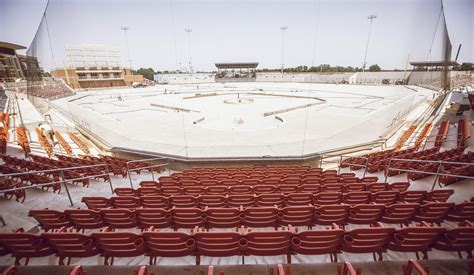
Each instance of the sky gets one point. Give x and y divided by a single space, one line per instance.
319 31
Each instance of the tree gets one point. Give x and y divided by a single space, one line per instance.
374 68
147 73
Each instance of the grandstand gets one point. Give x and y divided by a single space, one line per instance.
234 172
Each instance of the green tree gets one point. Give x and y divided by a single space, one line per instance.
374 68
147 73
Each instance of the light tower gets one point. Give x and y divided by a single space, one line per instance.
283 29
125 29
188 31
371 18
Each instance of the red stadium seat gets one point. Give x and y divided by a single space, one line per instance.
125 202
119 244
354 187
296 216
440 195
82 219
148 191
260 217
434 212
217 190
356 197
168 244
367 240
212 201
318 242
246 200
50 219
412 196
329 214
415 239
240 189
459 240
183 201
400 213
219 244
325 198
96 202
25 245
193 190
71 245
222 217
154 202
271 199
187 217
461 212
268 243
365 213
126 191
298 199
119 218
153 217
385 197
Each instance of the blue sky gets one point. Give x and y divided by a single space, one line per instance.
232 30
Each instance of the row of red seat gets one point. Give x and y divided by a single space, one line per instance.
22 179
464 131
150 189
7 184
22 139
254 180
267 199
114 169
433 167
137 166
442 134
151 243
356 163
268 216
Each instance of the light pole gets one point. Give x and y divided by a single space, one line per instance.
283 29
188 31
125 29
371 18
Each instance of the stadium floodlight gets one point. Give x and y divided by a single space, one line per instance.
283 29
371 18
188 31
125 29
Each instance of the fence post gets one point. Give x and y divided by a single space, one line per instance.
109 179
65 186
387 170
366 166
129 177
437 175
339 168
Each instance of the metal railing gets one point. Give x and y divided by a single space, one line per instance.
63 178
129 170
437 174
366 163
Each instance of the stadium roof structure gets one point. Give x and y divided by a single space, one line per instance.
237 65
11 46
433 63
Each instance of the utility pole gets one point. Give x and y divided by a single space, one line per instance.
283 29
125 29
371 18
188 31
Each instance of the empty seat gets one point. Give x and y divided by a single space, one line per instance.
399 186
148 191
365 213
217 190
168 244
434 212
459 240
240 189
440 195
461 212
96 202
222 217
356 197
367 240
119 218
270 199
412 196
193 190
318 242
385 197
171 190
25 245
125 191
71 245
125 202
153 217
296 216
245 200
415 239
118 244
298 199
212 201
50 219
183 201
310 188
400 213
268 243
82 219
354 187
219 244
263 188
260 217
329 214
187 217
325 198
154 202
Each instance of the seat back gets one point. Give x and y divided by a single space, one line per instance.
119 244
223 217
365 213
268 243
187 217
96 202
399 213
325 198
25 245
296 215
85 218
119 218
168 244
154 202
317 242
329 214
260 217
366 240
71 245
156 217
50 219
